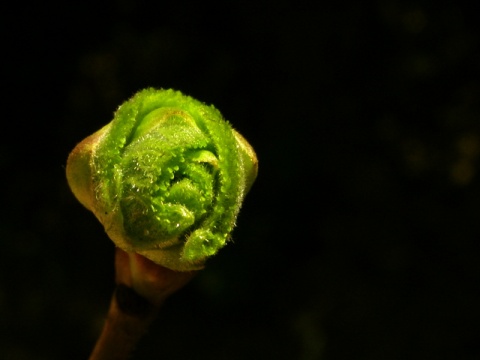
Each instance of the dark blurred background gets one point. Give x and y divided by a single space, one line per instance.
360 239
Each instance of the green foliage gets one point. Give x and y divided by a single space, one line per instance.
166 178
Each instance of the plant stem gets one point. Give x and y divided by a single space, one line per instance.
142 287
123 330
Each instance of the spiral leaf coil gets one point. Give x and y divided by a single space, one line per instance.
166 178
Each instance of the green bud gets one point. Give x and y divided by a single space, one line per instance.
166 178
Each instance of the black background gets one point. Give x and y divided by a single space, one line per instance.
360 238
